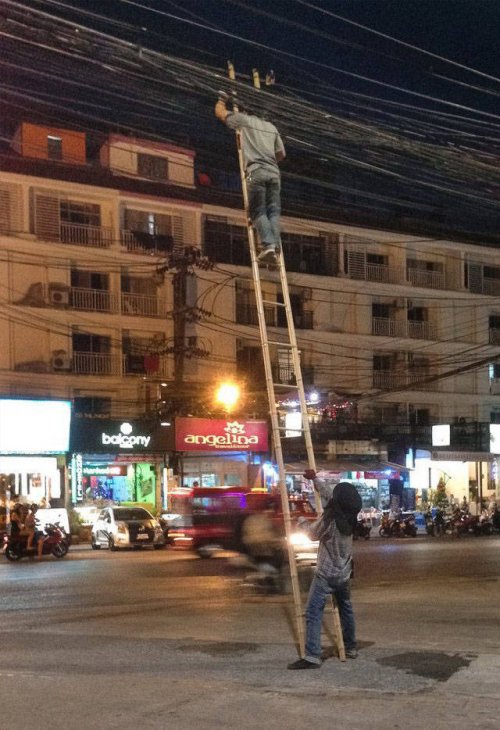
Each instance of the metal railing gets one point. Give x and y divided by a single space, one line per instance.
426 279
83 235
138 365
93 300
154 244
142 305
247 314
96 363
387 327
389 380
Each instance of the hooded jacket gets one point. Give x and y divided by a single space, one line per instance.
334 530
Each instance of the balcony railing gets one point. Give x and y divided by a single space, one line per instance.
285 375
156 244
83 235
389 380
146 365
96 363
93 300
387 327
421 330
426 279
143 305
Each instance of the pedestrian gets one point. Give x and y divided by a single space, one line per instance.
262 149
334 530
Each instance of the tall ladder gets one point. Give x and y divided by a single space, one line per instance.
288 342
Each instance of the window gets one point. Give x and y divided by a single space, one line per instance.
92 406
85 214
54 147
152 167
89 280
226 242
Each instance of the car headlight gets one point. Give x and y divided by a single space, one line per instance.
300 539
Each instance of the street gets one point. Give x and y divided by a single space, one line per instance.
161 639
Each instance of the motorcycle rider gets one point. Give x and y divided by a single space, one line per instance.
31 523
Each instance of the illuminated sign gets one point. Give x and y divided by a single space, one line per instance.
104 470
125 439
441 435
207 434
34 426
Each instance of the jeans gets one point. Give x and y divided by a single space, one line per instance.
318 593
264 202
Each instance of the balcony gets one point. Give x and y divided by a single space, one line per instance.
139 242
425 279
387 327
390 380
93 300
146 365
421 330
142 305
96 363
83 235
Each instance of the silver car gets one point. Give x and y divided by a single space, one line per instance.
125 527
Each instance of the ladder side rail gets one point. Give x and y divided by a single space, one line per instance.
272 399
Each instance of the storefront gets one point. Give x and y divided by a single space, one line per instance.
118 461
220 452
34 441
381 484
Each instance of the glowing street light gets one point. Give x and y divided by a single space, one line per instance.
227 394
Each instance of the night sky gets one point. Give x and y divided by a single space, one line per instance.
371 125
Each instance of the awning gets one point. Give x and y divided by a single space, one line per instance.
340 466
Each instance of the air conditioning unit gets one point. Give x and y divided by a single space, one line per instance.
60 360
59 297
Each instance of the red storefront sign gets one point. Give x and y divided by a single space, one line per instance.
207 434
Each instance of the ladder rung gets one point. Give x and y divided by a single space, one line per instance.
281 344
284 385
275 304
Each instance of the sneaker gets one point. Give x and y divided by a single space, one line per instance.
267 254
351 653
303 664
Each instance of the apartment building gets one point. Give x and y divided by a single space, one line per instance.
101 303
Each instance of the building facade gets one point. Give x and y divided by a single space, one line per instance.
126 284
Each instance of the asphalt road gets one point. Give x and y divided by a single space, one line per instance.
162 639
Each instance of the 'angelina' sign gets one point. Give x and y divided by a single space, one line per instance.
206 434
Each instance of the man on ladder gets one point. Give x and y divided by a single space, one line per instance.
262 149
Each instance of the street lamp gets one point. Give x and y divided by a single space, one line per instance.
227 395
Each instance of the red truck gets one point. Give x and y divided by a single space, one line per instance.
218 517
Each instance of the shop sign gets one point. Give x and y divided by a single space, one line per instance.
119 437
104 470
208 434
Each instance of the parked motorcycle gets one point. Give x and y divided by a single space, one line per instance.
363 529
430 526
483 525
54 543
398 526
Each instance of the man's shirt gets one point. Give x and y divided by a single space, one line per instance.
260 141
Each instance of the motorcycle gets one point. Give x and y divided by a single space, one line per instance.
54 543
398 526
362 529
430 527
484 525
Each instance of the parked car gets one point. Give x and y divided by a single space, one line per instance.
123 527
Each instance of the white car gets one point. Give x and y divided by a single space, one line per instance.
124 527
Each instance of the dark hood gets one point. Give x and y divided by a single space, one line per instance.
343 507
